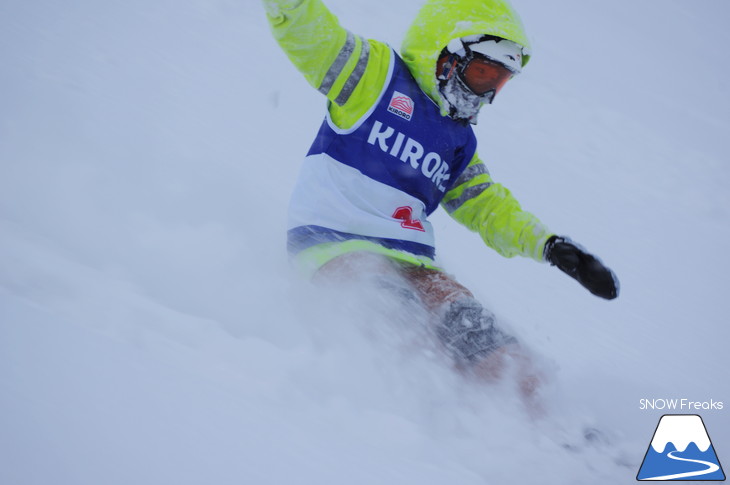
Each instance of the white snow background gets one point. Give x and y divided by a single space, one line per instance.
150 330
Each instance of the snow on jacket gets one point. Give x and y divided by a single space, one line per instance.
387 154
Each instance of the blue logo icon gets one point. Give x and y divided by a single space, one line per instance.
681 450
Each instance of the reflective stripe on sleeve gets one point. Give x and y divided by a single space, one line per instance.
471 172
338 65
356 75
468 194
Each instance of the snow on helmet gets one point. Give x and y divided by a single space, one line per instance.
500 50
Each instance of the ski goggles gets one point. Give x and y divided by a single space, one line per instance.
482 63
483 76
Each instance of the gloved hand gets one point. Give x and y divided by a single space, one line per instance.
577 263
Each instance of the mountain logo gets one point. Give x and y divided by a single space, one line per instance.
681 450
401 105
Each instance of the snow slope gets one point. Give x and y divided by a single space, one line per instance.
150 331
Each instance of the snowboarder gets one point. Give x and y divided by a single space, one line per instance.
396 143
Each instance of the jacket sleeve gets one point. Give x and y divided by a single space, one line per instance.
345 67
488 208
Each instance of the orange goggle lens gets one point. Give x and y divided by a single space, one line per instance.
482 76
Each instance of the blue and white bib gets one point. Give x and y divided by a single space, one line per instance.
380 179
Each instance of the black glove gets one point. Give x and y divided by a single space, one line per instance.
577 263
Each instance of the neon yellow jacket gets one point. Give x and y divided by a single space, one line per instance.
351 72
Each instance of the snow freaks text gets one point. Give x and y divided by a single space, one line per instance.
680 405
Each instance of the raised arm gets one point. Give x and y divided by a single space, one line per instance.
345 67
